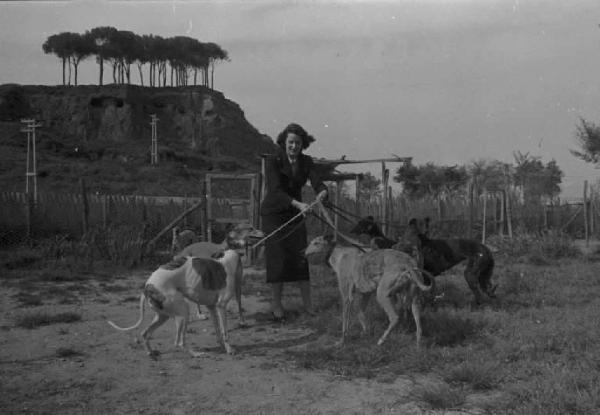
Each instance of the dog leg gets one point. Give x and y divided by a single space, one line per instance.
385 301
346 304
222 316
159 320
180 328
239 279
363 302
220 323
416 312
346 293
181 310
473 282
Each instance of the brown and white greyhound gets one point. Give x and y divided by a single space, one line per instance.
386 272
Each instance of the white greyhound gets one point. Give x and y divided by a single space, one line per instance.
203 281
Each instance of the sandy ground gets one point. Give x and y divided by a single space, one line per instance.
108 372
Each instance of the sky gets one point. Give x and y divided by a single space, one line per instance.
442 81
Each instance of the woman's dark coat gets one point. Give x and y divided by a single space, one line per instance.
284 251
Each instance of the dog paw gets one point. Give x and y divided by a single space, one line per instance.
196 355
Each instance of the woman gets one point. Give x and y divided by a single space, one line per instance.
286 174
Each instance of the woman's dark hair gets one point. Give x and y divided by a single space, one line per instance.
299 131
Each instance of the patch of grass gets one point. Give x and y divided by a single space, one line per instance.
21 259
452 294
558 391
33 320
115 288
65 352
515 283
60 275
441 396
29 299
479 375
449 328
539 249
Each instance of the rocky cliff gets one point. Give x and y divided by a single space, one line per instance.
104 135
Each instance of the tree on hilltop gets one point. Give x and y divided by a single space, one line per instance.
183 55
102 37
56 44
71 48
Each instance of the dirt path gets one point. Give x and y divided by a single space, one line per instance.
88 367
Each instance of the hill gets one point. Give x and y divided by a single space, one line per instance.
103 134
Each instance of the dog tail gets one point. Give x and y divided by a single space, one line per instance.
136 325
415 276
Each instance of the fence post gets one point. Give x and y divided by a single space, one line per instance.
357 196
86 207
484 215
203 213
185 205
338 193
502 221
592 211
390 208
471 209
585 213
104 212
509 214
385 173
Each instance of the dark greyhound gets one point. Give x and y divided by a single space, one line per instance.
439 255
368 226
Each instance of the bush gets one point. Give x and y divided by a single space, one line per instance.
539 249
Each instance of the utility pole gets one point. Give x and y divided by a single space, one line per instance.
31 173
154 147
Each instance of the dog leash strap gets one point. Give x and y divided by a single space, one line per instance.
329 222
302 212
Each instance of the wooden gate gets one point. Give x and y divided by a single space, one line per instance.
232 198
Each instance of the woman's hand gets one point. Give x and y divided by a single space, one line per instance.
301 206
322 195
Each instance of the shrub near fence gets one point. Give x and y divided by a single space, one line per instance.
451 216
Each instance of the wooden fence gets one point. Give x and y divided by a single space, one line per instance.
484 215
74 214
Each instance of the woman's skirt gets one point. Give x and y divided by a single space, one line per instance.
284 251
